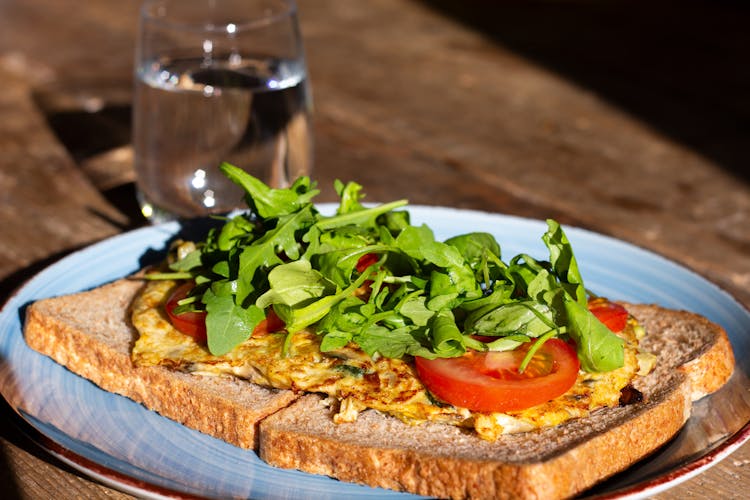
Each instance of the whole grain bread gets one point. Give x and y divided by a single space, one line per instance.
695 358
91 334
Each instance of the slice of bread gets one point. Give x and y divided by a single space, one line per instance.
695 358
91 334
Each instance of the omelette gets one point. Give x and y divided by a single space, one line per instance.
355 381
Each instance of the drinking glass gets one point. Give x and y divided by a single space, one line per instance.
215 81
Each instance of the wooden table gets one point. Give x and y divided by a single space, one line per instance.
631 121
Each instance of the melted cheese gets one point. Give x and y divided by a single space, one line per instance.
354 379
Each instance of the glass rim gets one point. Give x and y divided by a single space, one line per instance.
148 15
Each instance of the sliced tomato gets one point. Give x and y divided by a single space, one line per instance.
614 316
272 323
491 382
366 261
189 323
193 324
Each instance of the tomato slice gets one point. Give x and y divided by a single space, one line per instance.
490 381
272 323
366 261
192 324
614 316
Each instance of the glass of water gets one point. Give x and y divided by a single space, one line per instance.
215 81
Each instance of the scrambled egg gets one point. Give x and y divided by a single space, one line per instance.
357 381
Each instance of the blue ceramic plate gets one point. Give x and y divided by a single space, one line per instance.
130 448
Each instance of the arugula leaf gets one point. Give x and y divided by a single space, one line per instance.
233 232
339 325
294 283
475 248
338 266
453 281
263 253
447 339
266 201
564 262
228 324
392 343
422 297
298 318
598 348
335 340
414 309
190 261
365 217
528 318
393 222
350 194
507 343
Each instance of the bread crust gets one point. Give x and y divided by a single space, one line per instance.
303 437
90 333
701 348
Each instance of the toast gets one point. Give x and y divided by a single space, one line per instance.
90 333
695 358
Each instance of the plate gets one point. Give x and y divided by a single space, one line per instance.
120 443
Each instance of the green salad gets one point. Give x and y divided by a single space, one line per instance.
367 275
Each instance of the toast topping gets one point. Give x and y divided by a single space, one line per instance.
355 379
363 306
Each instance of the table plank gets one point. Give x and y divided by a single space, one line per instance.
509 125
48 207
409 102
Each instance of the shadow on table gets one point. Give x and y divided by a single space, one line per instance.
13 434
92 119
680 66
8 485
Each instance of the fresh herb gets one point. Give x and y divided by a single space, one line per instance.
418 296
354 371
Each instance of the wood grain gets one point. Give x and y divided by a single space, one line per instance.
493 106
